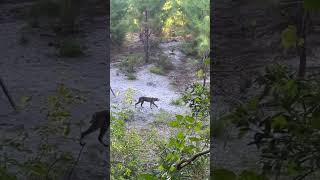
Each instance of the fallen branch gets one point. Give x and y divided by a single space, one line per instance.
183 163
112 91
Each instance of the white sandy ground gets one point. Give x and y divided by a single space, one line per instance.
147 84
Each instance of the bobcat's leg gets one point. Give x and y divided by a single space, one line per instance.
103 131
91 129
142 103
155 104
137 103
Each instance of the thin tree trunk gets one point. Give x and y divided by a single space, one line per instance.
303 61
304 22
146 34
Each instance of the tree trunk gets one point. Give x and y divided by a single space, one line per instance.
146 37
304 23
303 60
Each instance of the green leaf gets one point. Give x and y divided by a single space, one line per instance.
173 123
289 37
290 89
207 61
66 131
179 117
195 139
253 103
169 157
172 168
180 136
190 119
200 73
279 122
25 99
147 177
223 174
66 157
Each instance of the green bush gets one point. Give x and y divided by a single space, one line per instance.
119 24
128 156
189 48
70 48
157 70
131 76
165 63
129 63
162 65
118 33
287 114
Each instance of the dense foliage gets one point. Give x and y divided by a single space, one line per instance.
44 159
167 18
182 154
284 123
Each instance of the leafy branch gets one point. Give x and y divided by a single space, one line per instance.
184 162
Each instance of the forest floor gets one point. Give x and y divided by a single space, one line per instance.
166 88
35 70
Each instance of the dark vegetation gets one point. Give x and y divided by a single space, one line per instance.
273 108
42 151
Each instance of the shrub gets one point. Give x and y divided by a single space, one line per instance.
70 48
131 76
118 33
285 121
189 48
165 63
157 70
129 63
128 156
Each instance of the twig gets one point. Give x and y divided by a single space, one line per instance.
76 163
112 91
6 92
186 162
78 158
51 166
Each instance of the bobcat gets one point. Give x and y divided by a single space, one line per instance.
147 99
100 120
